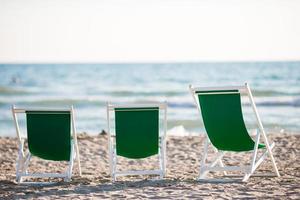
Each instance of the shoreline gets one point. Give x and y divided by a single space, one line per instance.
183 157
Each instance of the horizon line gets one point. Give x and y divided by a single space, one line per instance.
148 62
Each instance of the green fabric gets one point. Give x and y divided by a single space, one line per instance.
223 120
49 134
137 131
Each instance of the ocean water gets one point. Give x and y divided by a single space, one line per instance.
276 88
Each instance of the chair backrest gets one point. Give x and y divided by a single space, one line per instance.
223 120
137 131
49 134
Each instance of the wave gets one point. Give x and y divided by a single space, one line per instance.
11 91
273 93
275 102
278 101
179 92
181 105
44 101
67 102
143 93
178 103
292 103
181 131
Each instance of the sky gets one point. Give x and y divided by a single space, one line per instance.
89 31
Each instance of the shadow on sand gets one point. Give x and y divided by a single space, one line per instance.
82 187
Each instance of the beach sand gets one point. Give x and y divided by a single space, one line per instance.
183 157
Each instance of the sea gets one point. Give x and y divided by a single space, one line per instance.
88 87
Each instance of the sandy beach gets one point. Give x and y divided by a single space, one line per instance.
183 156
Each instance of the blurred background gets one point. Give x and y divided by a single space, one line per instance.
85 53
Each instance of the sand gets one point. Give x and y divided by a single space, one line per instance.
183 156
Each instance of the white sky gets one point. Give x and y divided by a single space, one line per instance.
149 30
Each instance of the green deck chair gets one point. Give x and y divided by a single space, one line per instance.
136 135
222 116
51 135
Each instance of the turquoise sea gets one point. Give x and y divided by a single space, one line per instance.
276 87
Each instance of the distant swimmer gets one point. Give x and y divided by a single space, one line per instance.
15 80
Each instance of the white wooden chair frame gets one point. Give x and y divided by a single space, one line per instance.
205 168
112 143
24 158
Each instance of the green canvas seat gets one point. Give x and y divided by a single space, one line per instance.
221 111
137 132
223 120
51 135
136 135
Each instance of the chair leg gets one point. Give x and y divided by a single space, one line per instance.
256 164
20 161
206 170
161 176
26 163
160 162
114 165
222 165
246 177
262 129
19 168
71 162
77 157
271 154
161 157
203 161
78 164
23 165
252 167
220 162
255 151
